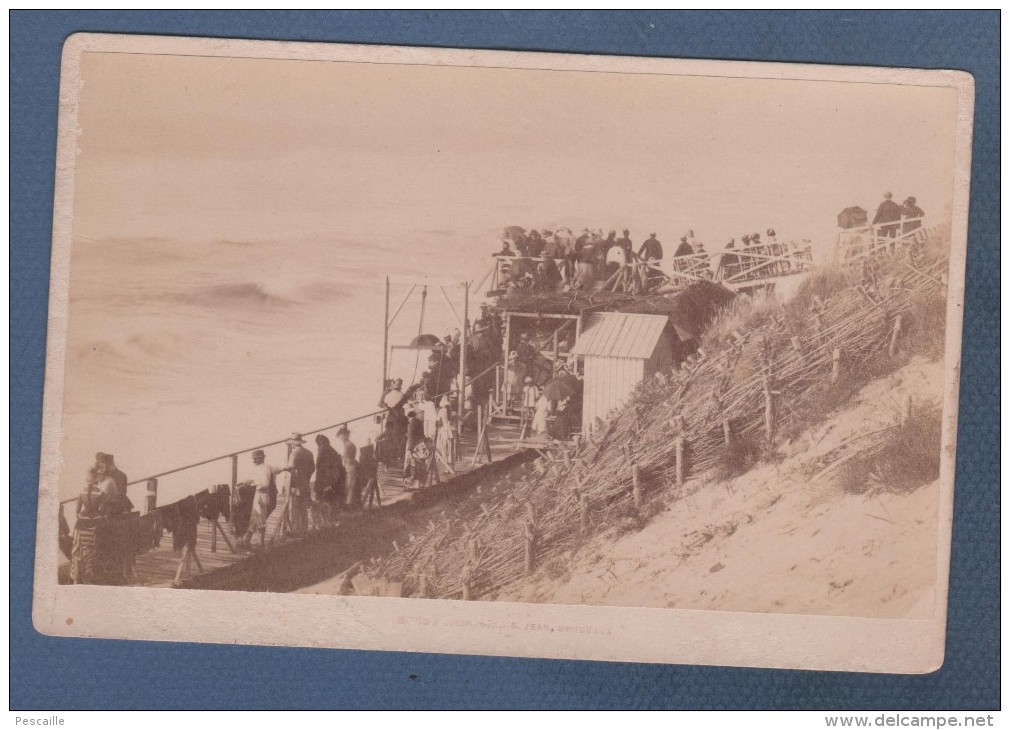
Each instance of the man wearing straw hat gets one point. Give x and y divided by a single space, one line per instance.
302 465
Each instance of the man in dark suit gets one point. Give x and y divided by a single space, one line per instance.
887 212
652 249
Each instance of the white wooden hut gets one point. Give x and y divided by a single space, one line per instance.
619 351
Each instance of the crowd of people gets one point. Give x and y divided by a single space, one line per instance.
548 411
320 485
547 260
551 260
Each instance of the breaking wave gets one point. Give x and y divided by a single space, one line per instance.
224 295
274 294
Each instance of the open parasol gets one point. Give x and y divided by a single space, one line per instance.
425 342
563 386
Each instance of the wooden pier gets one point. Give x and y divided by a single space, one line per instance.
217 549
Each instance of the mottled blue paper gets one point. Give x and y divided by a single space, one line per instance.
78 674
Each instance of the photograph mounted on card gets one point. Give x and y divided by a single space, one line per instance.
484 352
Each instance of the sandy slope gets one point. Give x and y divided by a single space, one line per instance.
772 540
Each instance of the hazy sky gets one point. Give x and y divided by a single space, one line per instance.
204 148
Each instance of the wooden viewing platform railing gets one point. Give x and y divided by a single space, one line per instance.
853 244
746 267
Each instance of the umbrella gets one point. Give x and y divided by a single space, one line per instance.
852 217
563 386
425 342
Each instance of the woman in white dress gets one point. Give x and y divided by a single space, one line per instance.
540 413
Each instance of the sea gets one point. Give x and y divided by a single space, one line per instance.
182 351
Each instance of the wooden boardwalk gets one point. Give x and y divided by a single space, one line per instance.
161 567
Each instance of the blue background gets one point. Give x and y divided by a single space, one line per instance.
48 673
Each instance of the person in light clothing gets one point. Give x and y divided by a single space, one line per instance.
529 403
429 414
264 478
542 408
514 380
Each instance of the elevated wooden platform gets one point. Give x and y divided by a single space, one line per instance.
161 567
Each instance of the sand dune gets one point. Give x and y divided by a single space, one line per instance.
773 540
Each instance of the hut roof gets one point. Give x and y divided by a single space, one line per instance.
688 310
617 334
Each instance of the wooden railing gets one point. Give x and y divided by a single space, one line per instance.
749 264
853 244
733 267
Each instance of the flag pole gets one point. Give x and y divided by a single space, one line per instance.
385 342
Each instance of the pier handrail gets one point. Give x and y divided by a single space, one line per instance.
234 454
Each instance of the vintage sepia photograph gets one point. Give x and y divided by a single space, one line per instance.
490 352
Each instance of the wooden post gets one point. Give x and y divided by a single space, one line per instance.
183 568
385 342
727 432
213 532
505 378
224 534
152 495
233 494
481 439
466 588
892 348
680 461
529 547
196 558
584 514
487 443
769 411
836 364
636 486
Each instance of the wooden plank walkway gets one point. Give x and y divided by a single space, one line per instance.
159 567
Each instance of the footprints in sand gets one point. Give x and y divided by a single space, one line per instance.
696 539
